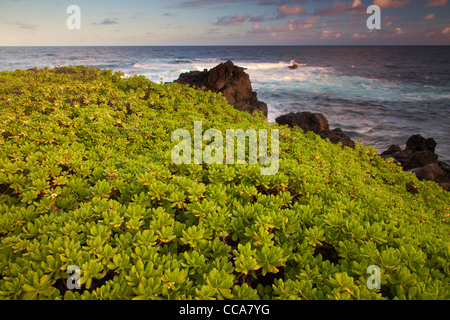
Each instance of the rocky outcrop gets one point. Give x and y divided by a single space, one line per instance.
419 157
308 121
230 80
317 123
337 136
431 172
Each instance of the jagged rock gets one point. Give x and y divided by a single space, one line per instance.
229 79
430 172
308 121
336 136
419 157
392 150
397 154
317 123
417 143
419 152
293 67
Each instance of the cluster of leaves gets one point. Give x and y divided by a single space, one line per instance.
86 180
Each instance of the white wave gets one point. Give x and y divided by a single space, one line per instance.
141 65
281 65
264 66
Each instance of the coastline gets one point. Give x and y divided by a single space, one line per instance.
383 90
232 81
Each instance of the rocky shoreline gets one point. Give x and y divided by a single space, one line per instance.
234 83
420 158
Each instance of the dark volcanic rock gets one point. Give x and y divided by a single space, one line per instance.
229 79
419 152
419 157
417 143
392 150
308 121
336 136
398 154
317 123
430 172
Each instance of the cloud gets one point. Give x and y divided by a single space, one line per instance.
435 3
257 19
446 30
107 21
293 26
399 31
384 4
359 36
429 16
25 26
301 24
235 20
285 11
338 8
326 34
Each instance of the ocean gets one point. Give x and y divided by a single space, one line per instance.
377 95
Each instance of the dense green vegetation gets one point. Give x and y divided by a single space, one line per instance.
86 179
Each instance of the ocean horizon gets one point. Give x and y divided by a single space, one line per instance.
379 95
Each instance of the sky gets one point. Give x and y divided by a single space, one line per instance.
223 22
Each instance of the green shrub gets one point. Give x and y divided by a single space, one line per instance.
86 180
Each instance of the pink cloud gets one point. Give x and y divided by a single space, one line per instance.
435 3
285 11
384 4
338 8
429 16
446 30
359 36
399 31
327 34
292 26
